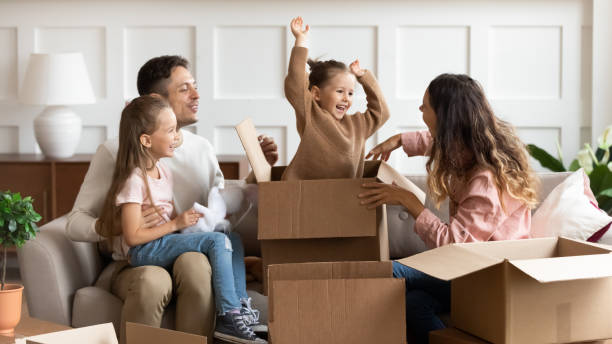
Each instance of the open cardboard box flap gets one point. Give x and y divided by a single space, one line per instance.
263 171
96 334
558 269
105 334
544 259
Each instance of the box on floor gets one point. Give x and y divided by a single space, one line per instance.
105 334
338 302
317 220
550 290
455 336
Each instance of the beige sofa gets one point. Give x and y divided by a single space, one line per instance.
69 282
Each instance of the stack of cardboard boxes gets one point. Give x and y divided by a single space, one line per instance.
552 290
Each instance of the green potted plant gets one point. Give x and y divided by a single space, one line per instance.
596 163
17 225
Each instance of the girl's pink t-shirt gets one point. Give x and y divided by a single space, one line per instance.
475 209
134 191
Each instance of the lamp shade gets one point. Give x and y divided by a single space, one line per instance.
56 79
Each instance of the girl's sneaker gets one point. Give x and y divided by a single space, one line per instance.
251 316
232 329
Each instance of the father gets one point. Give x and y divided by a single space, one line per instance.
147 290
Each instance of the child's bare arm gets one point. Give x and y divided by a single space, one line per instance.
135 233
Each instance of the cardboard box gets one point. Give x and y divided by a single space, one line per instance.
549 290
339 302
105 334
318 220
454 336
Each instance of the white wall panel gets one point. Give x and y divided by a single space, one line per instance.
532 57
346 44
91 138
9 139
8 63
525 62
424 52
91 41
144 43
249 62
545 138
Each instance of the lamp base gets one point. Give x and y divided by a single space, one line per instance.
58 131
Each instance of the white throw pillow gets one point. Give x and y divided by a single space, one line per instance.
568 211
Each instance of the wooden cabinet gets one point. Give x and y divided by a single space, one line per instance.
55 183
52 183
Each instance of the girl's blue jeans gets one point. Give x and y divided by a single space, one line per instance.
426 297
225 253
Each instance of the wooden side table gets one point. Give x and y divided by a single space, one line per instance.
52 183
32 327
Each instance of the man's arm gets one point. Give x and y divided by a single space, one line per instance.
88 205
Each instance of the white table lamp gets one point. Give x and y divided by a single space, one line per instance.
57 80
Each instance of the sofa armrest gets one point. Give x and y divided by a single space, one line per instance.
53 268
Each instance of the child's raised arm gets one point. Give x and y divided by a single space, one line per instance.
296 82
377 112
135 231
299 33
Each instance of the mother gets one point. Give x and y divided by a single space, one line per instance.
478 162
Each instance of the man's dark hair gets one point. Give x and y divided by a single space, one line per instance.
154 75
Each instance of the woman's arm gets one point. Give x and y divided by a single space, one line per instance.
477 217
135 233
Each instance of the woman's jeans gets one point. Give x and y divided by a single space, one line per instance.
426 297
225 253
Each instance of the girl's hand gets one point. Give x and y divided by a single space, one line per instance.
383 150
188 218
379 193
355 69
150 217
296 29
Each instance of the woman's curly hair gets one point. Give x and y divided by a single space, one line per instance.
469 135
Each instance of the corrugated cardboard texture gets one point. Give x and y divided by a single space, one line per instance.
96 334
558 312
326 208
143 334
322 250
453 336
352 311
320 271
478 303
388 175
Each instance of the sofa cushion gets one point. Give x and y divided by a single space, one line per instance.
569 211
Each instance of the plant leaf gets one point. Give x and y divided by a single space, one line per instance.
606 192
574 166
601 179
12 226
545 159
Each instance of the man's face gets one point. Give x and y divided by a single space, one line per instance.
183 96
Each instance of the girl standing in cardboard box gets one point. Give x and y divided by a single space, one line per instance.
478 162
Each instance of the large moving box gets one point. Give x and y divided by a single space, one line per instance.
339 302
550 290
454 336
317 220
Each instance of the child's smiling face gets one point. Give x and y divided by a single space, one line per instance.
336 96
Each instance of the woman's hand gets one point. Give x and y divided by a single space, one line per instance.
376 194
383 150
188 218
297 31
355 69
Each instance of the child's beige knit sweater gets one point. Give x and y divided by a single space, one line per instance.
329 148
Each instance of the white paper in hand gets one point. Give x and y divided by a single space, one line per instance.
214 216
